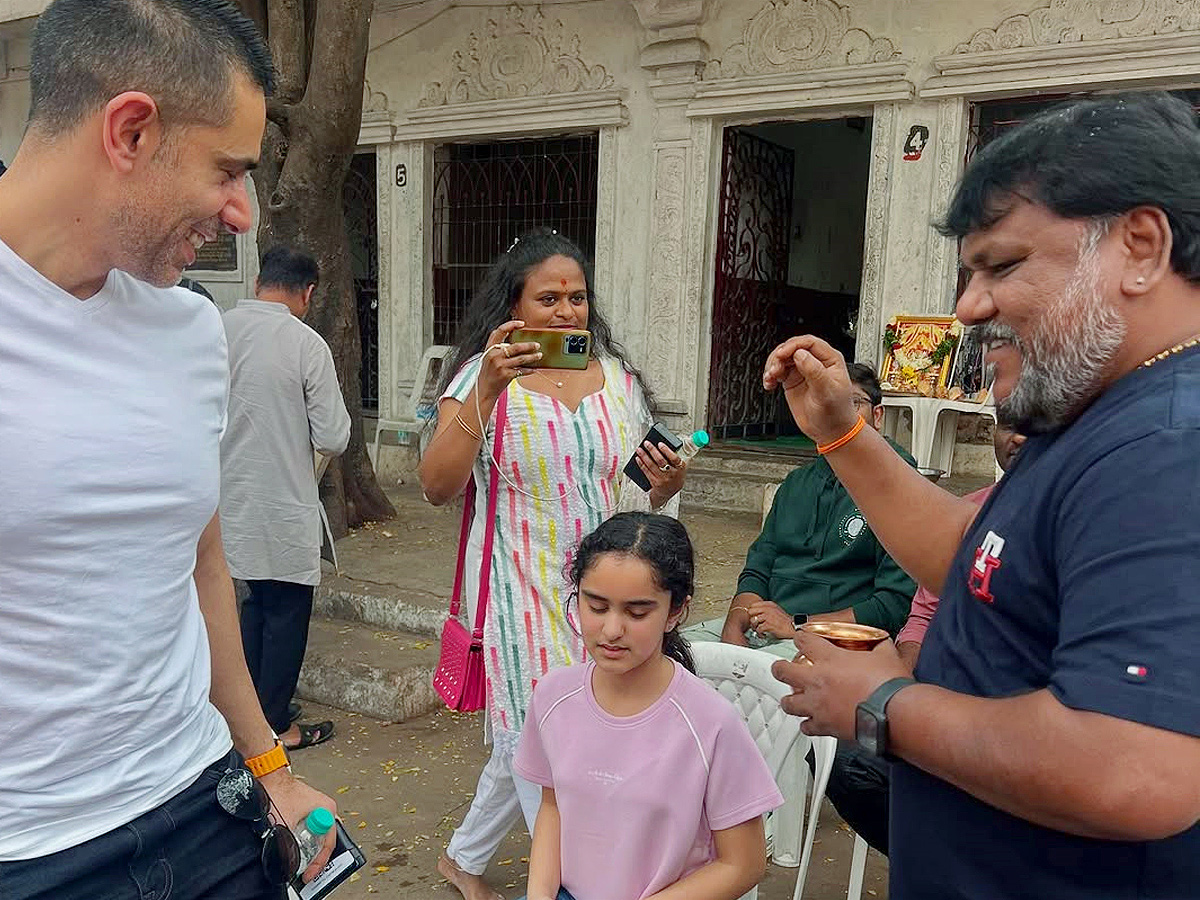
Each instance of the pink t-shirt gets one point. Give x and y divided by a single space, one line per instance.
925 602
639 797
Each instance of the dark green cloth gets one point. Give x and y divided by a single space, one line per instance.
816 554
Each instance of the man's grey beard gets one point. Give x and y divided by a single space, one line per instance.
1066 358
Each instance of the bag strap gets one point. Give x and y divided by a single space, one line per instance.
489 532
464 532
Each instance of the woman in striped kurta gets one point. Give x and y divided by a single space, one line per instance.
566 438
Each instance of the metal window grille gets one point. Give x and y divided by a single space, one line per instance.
486 194
360 203
992 118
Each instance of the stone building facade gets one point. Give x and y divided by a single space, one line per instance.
867 109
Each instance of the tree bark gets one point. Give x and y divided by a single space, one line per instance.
320 52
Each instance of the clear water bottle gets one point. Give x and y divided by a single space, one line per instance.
694 444
311 836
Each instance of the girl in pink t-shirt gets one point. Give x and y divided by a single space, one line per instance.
651 785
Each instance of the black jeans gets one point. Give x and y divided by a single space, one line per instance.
858 789
274 622
187 849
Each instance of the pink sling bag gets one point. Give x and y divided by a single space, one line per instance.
460 679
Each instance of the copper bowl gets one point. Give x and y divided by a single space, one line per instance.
848 635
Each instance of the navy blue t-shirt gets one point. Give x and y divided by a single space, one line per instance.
1080 574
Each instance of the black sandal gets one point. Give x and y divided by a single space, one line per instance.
311 735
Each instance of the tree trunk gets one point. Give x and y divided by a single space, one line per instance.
320 52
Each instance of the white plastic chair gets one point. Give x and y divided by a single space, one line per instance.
421 403
858 866
743 676
858 860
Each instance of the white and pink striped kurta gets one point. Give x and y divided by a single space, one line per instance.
571 462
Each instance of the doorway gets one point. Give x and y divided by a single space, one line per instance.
791 226
360 202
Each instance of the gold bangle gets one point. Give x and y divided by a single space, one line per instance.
462 423
844 439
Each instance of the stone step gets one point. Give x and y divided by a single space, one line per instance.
720 492
387 606
737 460
377 672
736 479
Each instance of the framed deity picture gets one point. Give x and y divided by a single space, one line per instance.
918 354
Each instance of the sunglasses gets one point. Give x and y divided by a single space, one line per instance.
241 796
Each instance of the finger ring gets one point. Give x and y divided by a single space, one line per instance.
666 468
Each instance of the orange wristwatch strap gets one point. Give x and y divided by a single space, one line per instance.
266 763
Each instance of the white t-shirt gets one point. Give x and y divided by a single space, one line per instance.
111 412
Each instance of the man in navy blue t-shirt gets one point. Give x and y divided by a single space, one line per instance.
1050 746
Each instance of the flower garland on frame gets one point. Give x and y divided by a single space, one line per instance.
913 368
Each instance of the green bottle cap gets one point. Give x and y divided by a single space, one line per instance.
701 438
319 821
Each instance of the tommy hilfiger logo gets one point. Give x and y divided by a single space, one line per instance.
987 561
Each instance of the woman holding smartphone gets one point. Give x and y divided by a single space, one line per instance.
565 435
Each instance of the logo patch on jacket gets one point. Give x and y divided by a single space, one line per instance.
987 561
852 526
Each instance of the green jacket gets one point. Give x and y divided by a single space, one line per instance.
816 554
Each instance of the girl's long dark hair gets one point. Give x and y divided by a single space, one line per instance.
660 542
494 299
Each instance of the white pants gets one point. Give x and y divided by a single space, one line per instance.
499 797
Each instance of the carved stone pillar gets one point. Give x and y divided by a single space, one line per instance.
941 266
405 323
675 57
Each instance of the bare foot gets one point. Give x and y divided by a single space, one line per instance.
472 887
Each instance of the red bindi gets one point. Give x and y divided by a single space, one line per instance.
564 284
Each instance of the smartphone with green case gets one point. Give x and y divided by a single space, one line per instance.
562 348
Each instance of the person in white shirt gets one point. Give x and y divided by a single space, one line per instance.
126 708
284 403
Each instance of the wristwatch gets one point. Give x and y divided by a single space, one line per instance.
266 763
870 718
799 619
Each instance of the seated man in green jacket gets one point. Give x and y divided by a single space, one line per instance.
816 557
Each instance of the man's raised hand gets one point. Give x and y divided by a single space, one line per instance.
816 385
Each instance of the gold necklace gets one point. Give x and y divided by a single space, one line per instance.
1178 348
544 376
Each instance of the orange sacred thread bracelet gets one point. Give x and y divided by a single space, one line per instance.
844 439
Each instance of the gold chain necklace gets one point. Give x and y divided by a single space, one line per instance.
544 377
1178 348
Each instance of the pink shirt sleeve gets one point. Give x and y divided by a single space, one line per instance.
740 786
530 761
925 603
